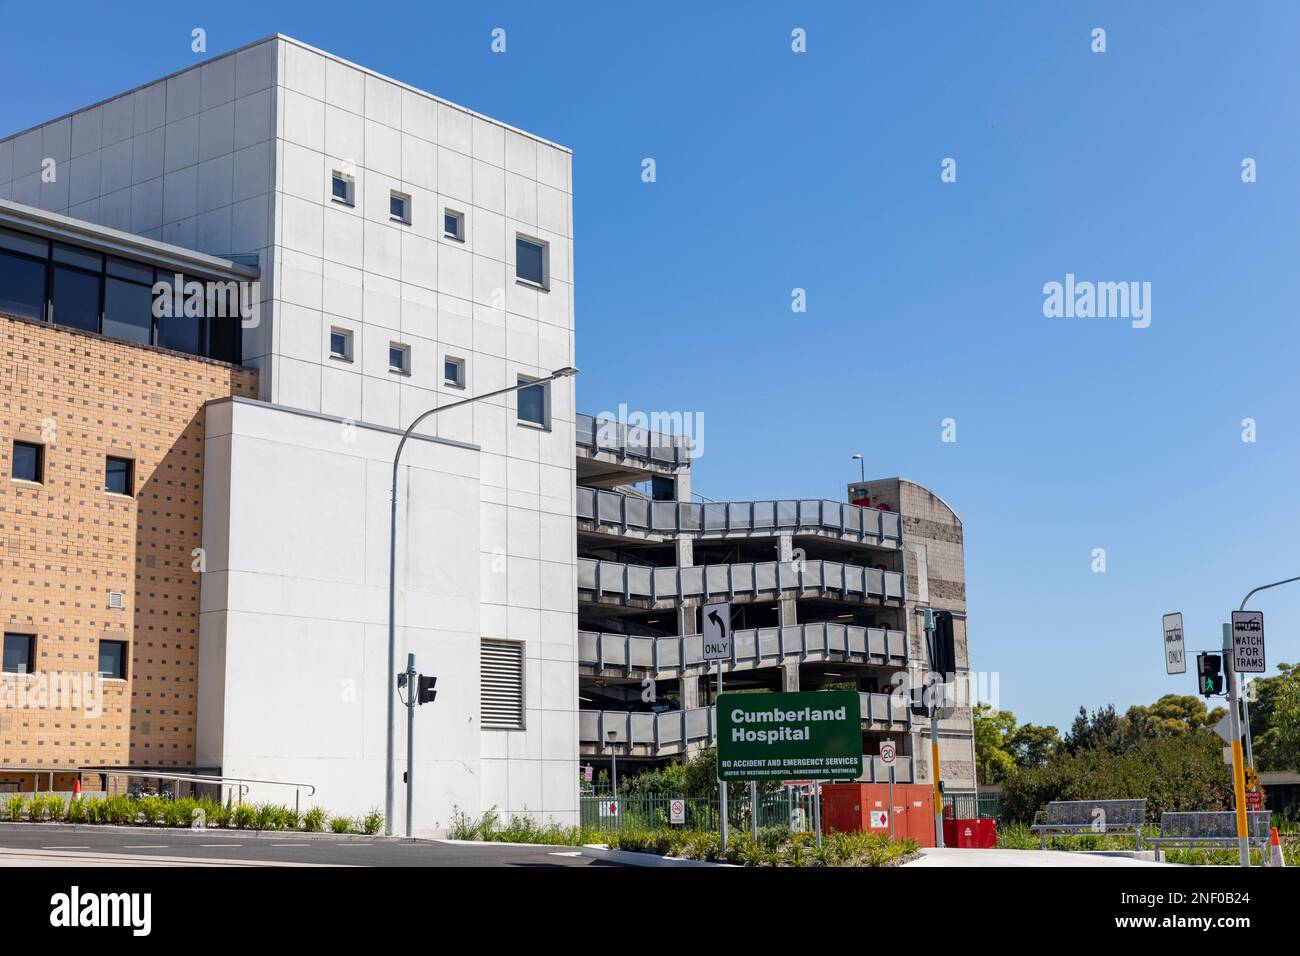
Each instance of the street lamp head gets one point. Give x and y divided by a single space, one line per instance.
856 458
567 372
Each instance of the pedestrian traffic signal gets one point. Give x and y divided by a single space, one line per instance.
945 644
424 689
1209 669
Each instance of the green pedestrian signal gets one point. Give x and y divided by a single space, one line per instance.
1209 668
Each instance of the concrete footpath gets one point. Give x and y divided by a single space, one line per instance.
949 856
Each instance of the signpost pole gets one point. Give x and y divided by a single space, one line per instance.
722 786
817 810
1238 774
934 735
891 801
753 809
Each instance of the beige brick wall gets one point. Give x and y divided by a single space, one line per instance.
66 543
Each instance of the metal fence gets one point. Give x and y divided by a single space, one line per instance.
788 808
968 806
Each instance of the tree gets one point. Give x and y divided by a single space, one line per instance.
1101 731
1275 719
1002 748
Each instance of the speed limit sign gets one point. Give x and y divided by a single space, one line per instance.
887 752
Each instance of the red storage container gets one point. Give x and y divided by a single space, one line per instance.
850 806
978 834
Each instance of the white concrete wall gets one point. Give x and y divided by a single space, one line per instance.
294 607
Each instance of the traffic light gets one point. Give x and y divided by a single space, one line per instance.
424 692
1209 670
945 644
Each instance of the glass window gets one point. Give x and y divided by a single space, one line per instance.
119 475
226 338
112 659
21 242
453 371
341 188
532 402
341 344
399 206
76 299
82 258
22 287
19 653
28 459
530 261
180 332
128 310
134 271
399 357
453 225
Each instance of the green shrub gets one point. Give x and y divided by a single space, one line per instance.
218 814
290 818
243 817
372 822
151 808
94 811
704 845
13 807
266 817
314 820
76 810
340 824
120 811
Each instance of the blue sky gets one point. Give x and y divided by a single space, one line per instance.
821 171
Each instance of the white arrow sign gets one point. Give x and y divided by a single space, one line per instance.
716 628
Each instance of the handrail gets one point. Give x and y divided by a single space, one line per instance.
128 772
675 583
631 512
751 646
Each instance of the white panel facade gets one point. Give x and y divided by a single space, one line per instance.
235 157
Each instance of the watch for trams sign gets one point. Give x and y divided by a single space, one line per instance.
809 735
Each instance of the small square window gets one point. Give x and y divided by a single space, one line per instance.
530 261
341 344
399 207
29 461
399 358
453 371
532 402
19 654
112 659
119 475
453 225
342 188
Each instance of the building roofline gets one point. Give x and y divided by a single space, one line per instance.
53 225
917 484
305 46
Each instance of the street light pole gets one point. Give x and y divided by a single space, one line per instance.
862 465
391 678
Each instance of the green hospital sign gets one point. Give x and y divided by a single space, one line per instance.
807 735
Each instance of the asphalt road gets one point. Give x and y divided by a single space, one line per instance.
64 846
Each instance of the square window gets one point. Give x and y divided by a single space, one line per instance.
112 659
453 371
342 188
453 225
19 654
533 400
399 358
341 344
119 475
530 261
399 207
29 461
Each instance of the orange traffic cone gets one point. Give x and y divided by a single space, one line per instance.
76 786
1275 850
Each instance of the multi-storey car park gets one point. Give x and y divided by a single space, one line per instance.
195 511
823 595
